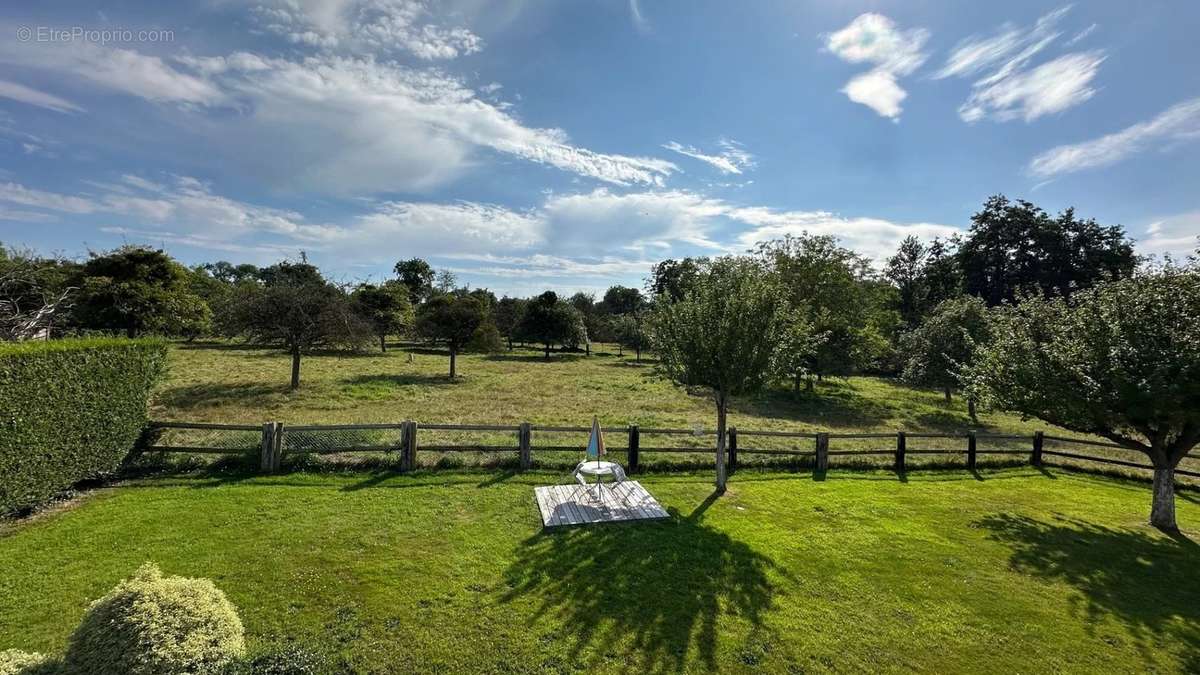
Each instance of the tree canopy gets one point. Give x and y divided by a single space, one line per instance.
136 289
451 319
1015 246
548 320
298 310
940 348
417 276
721 335
1121 361
386 307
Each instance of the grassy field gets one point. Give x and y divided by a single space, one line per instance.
236 384
1016 571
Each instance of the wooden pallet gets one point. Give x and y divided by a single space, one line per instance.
575 505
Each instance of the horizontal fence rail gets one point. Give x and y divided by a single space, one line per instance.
271 441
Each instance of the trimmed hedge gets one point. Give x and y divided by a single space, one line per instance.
152 624
70 410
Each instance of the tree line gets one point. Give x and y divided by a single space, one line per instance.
1051 316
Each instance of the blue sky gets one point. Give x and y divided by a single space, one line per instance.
569 145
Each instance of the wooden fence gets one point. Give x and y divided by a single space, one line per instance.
270 442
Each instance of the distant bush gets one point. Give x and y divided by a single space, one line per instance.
152 624
17 662
70 410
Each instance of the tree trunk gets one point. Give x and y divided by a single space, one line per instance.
382 343
720 442
638 357
808 385
620 349
547 351
947 392
1162 510
510 342
130 332
295 367
453 356
971 411
587 346
796 385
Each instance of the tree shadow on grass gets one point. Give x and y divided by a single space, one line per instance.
1145 580
399 380
651 591
206 394
559 357
828 406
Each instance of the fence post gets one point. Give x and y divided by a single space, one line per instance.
404 465
732 448
822 452
524 436
971 446
634 440
901 448
277 447
268 446
1038 439
412 443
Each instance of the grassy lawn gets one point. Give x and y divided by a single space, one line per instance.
236 384
1017 571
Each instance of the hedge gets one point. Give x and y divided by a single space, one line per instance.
70 410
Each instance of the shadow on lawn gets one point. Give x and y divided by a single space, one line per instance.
217 393
399 380
1143 579
652 591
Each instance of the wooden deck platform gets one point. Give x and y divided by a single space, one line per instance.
574 505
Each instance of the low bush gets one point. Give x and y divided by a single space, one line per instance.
152 624
289 660
70 410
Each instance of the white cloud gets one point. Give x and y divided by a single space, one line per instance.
1177 124
19 92
875 39
639 20
142 75
1011 88
357 125
1079 37
368 26
733 157
877 89
15 193
1178 235
442 229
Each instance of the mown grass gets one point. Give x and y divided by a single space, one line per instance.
233 383
1014 571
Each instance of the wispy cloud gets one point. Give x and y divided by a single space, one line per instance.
1177 234
732 158
362 26
875 39
639 20
19 92
1177 124
1010 87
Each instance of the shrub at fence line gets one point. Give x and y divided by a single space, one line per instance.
70 410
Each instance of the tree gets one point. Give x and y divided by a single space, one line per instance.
452 319
631 333
721 335
135 289
386 308
623 300
1121 361
798 346
551 321
508 315
445 281
34 292
296 310
589 314
924 276
831 287
417 276
672 278
1016 246
940 348
486 339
